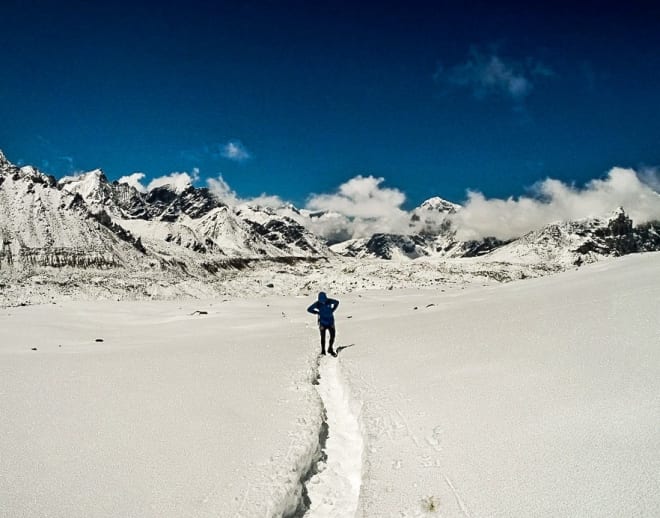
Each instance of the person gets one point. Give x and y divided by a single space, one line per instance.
325 307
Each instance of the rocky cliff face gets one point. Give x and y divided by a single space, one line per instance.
619 237
388 246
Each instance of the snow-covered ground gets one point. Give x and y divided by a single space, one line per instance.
537 398
173 414
534 398
261 278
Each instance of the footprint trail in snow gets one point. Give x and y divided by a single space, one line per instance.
335 489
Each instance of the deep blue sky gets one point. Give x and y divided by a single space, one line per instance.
437 97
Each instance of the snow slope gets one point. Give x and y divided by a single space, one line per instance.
537 398
534 398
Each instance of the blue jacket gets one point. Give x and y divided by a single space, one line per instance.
324 308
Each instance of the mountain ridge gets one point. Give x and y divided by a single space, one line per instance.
50 228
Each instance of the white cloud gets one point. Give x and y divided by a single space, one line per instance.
223 192
178 181
361 196
265 200
557 201
234 150
365 206
332 226
134 180
489 75
651 177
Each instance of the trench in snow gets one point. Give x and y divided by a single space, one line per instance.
331 487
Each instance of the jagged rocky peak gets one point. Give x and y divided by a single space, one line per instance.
289 207
179 184
25 173
198 201
619 223
6 165
162 194
165 202
91 180
433 217
93 176
93 186
3 160
168 202
437 204
130 200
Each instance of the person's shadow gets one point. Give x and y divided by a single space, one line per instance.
342 347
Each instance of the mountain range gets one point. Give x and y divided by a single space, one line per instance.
86 236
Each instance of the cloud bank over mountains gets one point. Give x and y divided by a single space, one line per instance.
363 205
556 201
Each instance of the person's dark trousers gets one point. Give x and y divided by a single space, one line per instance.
332 338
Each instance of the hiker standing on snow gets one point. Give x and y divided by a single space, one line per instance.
324 308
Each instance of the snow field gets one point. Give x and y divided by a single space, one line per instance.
174 414
537 398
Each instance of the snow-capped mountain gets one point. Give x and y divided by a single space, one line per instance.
437 204
84 234
87 221
584 241
171 216
561 244
165 203
41 225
